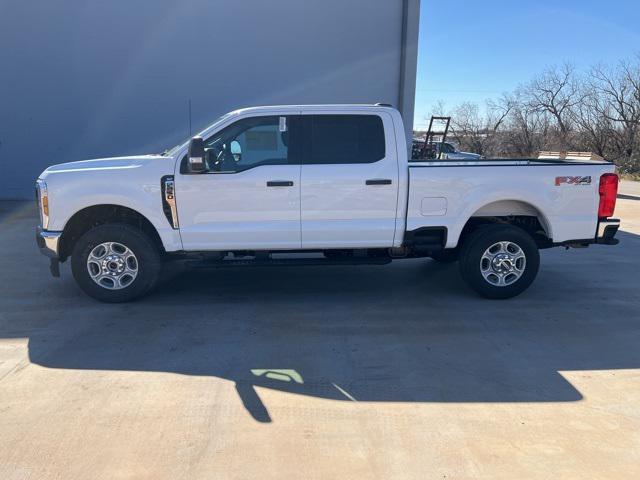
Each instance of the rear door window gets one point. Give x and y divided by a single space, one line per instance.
345 139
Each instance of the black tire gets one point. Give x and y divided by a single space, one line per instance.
147 262
445 256
479 241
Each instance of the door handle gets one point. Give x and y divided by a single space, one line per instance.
378 181
279 183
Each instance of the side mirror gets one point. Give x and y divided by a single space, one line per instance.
196 155
236 150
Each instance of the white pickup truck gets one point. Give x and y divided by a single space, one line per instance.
328 184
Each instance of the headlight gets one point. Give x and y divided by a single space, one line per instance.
42 195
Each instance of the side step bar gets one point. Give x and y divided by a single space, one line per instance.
287 262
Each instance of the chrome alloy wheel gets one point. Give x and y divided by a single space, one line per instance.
503 263
112 265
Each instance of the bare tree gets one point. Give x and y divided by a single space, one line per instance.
555 92
526 128
598 111
620 92
592 116
498 111
436 110
476 131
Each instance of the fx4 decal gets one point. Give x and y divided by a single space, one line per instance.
573 181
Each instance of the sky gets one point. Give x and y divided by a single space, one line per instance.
475 50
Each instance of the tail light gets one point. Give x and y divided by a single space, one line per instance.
608 192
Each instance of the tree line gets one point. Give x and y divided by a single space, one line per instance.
561 109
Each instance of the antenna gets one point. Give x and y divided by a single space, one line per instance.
189 117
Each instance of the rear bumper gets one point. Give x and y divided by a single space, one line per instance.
605 235
607 229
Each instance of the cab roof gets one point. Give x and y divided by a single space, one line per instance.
316 107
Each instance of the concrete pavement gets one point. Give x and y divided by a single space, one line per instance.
385 372
628 188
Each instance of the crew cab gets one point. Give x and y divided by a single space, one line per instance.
323 184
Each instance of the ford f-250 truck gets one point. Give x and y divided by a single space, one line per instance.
328 184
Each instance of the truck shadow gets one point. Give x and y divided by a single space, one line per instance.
408 332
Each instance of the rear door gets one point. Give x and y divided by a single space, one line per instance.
349 180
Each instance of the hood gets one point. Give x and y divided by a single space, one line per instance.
105 164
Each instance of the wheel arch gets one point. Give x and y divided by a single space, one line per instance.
520 213
86 218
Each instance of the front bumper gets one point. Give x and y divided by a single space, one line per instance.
607 229
49 245
48 242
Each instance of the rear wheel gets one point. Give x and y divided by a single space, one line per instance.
499 261
115 263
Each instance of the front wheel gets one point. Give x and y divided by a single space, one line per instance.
499 261
115 263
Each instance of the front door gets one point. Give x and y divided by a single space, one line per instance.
349 181
249 196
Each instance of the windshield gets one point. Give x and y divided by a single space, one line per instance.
169 152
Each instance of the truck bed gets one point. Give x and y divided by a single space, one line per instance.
562 194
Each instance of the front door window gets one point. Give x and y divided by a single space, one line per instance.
248 143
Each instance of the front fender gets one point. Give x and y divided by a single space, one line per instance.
72 192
